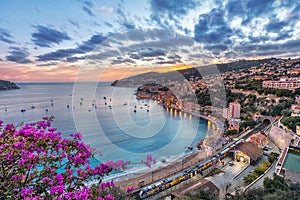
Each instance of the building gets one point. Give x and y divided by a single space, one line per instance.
288 164
233 114
281 138
247 152
298 130
196 186
259 140
297 99
295 110
283 83
295 71
234 110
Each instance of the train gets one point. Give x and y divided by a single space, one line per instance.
163 185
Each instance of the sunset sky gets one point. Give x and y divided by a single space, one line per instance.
57 39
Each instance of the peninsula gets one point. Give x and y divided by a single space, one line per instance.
8 85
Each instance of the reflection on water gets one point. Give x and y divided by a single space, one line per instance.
119 132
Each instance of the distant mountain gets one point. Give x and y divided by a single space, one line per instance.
8 85
188 73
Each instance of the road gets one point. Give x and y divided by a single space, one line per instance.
231 175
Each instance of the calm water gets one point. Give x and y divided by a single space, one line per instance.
112 126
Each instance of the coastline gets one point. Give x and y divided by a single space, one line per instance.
148 176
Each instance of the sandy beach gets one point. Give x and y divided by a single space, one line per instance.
139 180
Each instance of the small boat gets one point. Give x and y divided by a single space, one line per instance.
141 107
104 97
5 109
81 99
189 148
125 104
52 104
134 111
105 103
46 110
81 103
147 110
199 145
90 110
145 104
32 107
68 106
23 110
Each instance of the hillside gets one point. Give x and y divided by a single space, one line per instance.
188 73
8 85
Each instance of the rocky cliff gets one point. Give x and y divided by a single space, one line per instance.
8 85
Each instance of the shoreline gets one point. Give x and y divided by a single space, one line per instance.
147 176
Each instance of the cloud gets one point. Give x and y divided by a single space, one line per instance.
171 7
48 64
46 36
75 58
90 44
88 3
74 23
251 49
167 62
82 48
149 52
124 19
58 54
276 26
18 55
5 36
106 9
166 13
212 28
128 25
108 24
121 60
88 11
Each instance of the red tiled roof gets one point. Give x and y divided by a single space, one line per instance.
203 184
258 137
250 150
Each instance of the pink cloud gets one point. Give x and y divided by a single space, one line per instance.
106 9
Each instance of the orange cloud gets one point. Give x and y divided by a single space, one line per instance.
16 72
64 72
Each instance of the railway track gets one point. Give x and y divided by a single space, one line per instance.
257 129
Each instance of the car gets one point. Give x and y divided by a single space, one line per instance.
230 163
265 148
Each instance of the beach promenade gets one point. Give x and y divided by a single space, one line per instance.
139 180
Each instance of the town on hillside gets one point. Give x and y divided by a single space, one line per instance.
261 115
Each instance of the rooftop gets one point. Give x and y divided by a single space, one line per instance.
250 150
258 136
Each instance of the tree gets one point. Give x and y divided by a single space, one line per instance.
231 132
37 163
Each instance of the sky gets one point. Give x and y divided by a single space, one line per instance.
68 40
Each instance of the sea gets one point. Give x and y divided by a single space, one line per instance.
110 119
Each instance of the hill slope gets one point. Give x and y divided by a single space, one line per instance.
8 85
